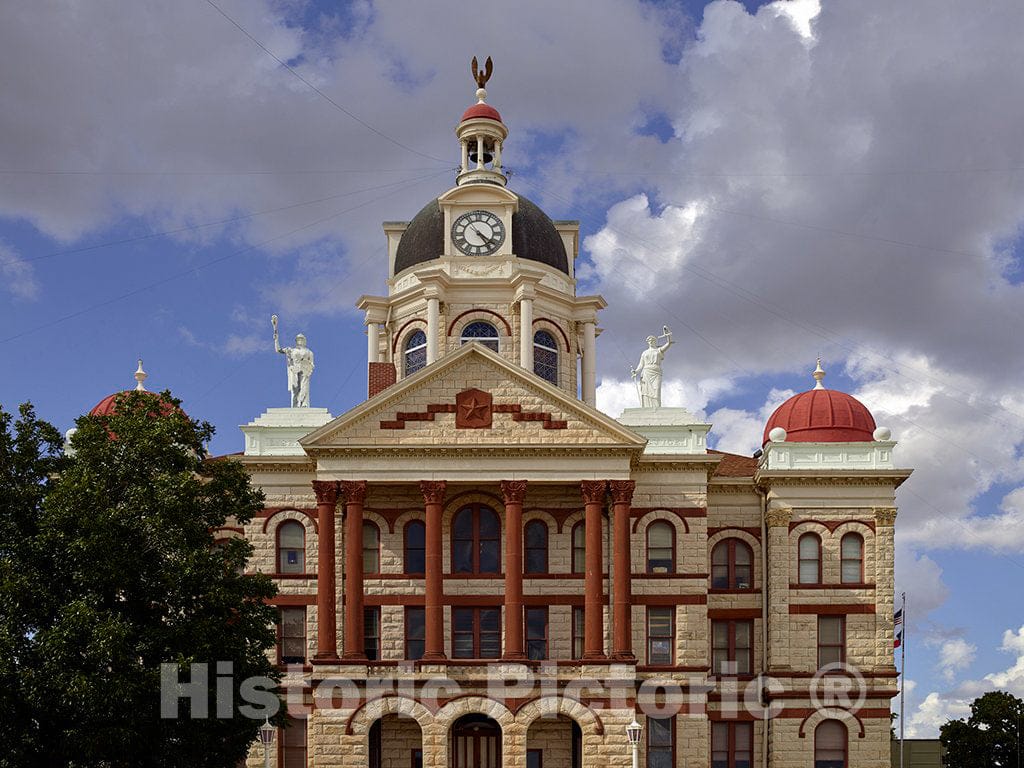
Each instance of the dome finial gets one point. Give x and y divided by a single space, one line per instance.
140 376
481 78
819 374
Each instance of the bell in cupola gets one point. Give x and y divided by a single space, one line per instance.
488 153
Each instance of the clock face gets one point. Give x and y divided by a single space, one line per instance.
478 233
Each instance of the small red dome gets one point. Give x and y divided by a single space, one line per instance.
481 110
823 416
108 405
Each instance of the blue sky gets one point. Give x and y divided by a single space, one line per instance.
775 181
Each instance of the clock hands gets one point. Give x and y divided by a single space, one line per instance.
487 240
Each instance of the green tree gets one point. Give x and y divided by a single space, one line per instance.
108 569
990 737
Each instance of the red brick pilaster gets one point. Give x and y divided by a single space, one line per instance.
513 491
326 591
433 500
622 638
354 492
593 621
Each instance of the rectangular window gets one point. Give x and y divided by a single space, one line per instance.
292 636
371 632
660 636
476 633
536 634
732 647
534 758
661 742
577 631
415 632
831 640
293 744
732 745
417 758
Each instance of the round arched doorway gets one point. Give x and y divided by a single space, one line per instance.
475 742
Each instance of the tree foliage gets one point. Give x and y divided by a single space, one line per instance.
108 569
990 737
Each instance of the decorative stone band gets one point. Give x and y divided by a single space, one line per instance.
885 516
780 516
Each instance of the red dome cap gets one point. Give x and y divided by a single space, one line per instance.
108 405
822 416
481 110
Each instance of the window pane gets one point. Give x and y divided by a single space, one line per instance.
720 737
490 619
852 546
291 534
462 526
371 633
808 547
536 561
533 759
720 634
851 572
744 631
462 557
489 526
830 630
416 534
415 561
371 548
744 556
536 623
536 534
659 732
660 535
719 576
808 572
577 632
829 655
744 577
462 619
659 621
579 551
490 557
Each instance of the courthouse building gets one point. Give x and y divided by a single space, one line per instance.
495 573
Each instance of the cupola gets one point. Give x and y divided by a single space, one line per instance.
481 134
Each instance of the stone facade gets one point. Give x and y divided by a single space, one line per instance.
624 612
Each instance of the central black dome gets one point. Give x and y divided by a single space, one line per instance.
534 237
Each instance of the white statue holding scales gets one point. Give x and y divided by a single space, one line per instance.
300 367
648 385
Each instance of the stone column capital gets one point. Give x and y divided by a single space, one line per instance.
513 491
885 516
326 491
622 490
433 491
593 491
778 517
354 491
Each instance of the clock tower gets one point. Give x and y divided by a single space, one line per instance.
481 263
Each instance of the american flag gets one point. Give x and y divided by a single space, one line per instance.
897 621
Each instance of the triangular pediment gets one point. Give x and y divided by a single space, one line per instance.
472 398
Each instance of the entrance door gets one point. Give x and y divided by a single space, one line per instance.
476 743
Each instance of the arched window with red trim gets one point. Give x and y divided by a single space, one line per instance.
415 547
809 559
579 548
661 547
535 547
830 742
851 554
291 547
371 548
732 565
476 540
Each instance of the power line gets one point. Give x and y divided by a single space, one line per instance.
316 90
205 265
257 172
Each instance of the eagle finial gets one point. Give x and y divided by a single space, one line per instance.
482 77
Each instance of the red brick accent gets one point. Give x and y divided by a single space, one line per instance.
548 421
380 376
473 409
832 609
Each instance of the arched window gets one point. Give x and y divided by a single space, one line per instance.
809 550
371 548
480 331
476 540
732 565
535 541
579 548
830 745
661 547
545 356
852 559
415 353
291 547
415 547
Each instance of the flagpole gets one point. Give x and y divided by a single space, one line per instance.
903 670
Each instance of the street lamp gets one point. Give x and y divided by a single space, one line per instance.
266 739
633 732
